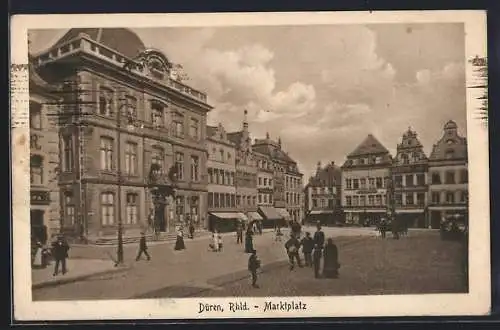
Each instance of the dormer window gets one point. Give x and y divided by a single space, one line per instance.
449 142
450 153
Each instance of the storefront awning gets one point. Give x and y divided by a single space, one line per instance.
226 215
316 212
270 213
254 216
242 217
284 213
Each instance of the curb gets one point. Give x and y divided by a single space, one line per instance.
77 278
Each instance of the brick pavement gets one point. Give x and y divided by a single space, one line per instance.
415 265
167 267
77 270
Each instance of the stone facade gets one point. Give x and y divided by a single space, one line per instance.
323 195
409 175
221 167
287 185
136 115
448 176
364 182
44 158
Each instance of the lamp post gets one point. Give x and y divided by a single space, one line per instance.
119 252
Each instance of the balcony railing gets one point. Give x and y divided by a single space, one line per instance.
83 43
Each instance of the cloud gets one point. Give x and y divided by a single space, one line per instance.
323 88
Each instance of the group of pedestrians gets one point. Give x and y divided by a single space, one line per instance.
57 252
314 249
179 241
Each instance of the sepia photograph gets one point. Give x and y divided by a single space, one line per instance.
251 165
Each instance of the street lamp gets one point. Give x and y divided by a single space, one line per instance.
119 252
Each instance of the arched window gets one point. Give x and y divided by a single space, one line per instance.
69 208
158 156
36 170
68 160
106 153
106 101
178 120
132 209
107 208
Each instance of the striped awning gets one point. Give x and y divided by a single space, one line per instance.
242 217
270 213
316 212
226 215
254 216
284 213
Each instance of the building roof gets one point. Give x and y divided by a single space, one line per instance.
369 146
450 146
274 152
211 130
235 137
36 81
121 40
328 175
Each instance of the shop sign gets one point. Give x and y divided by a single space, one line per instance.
40 197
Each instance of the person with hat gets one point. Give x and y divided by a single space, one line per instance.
60 250
143 248
253 266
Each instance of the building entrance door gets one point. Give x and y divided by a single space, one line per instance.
161 224
37 229
435 219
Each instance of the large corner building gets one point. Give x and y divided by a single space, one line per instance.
132 136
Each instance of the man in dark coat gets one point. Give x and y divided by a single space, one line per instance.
317 260
292 247
253 266
249 240
307 247
331 260
319 237
60 250
143 248
191 230
239 233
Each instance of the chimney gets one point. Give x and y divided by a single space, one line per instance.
332 163
267 135
279 142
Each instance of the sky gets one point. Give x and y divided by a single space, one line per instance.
321 88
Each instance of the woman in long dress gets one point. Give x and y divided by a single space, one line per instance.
248 240
179 243
331 260
37 261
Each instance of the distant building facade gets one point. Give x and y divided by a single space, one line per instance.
221 165
287 184
448 173
142 155
409 176
364 178
45 200
246 170
323 195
